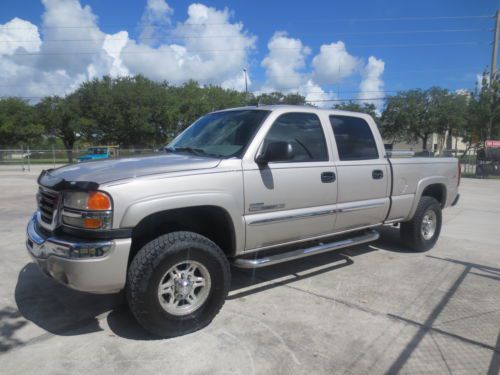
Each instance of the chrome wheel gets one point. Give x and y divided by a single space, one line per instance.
184 288
429 224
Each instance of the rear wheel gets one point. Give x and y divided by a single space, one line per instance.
422 231
177 283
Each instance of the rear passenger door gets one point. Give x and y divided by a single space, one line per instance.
363 174
293 200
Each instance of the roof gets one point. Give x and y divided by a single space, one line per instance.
289 107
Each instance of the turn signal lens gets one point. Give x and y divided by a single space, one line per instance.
98 201
92 223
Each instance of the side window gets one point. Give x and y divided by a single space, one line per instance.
354 138
304 132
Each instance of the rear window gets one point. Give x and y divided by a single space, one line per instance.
354 138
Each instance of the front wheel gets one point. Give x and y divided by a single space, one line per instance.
422 231
177 283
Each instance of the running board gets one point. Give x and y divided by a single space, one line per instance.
302 253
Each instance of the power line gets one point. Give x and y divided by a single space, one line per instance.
162 52
180 36
146 24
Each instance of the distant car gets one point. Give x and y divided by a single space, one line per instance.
99 153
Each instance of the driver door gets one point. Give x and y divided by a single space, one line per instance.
292 200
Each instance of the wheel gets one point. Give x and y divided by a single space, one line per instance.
422 231
177 283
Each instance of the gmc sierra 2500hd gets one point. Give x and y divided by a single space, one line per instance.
252 186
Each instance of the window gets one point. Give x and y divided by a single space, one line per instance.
354 138
221 134
303 131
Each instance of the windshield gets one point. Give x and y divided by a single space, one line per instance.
97 151
220 134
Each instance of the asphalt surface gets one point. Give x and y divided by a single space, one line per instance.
371 309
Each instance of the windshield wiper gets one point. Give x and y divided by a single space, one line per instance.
194 151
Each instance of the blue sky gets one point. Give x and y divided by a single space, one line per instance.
411 51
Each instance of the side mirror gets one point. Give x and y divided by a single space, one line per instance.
275 152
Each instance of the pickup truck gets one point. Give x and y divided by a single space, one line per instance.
251 187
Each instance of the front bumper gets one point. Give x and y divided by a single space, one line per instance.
104 272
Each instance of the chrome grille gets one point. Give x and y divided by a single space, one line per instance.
47 204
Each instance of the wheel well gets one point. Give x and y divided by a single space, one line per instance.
436 191
209 221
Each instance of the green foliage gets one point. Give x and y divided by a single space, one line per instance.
483 120
277 98
18 123
367 108
136 111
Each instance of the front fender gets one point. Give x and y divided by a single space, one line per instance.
141 209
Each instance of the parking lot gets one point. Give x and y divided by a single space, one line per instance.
371 309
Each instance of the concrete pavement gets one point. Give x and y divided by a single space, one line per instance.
371 309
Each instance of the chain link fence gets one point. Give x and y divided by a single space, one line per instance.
24 158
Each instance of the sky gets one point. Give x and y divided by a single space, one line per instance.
325 50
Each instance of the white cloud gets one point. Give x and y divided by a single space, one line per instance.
208 46
333 63
212 50
285 58
372 84
67 56
19 34
156 14
316 95
237 82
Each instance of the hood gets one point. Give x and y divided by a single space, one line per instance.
108 170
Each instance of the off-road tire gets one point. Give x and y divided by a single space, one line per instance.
149 266
411 232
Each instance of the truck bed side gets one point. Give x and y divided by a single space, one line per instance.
410 178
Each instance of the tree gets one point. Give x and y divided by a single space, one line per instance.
368 108
61 119
18 123
406 117
484 111
277 98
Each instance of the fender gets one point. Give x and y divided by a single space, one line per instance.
421 185
141 209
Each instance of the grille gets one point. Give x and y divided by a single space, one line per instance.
47 204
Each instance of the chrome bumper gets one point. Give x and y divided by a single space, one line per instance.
94 267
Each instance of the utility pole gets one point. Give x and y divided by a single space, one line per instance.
493 68
246 83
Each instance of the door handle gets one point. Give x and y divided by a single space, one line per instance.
377 174
327 177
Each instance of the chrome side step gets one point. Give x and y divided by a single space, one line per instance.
269 260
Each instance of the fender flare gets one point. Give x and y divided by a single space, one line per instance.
424 183
136 212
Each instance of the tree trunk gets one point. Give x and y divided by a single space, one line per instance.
69 150
425 138
449 140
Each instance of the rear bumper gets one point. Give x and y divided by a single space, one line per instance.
455 201
103 272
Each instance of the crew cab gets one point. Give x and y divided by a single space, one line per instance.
251 186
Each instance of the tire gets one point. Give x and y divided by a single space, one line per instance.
412 232
156 263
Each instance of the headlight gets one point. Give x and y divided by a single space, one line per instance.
88 210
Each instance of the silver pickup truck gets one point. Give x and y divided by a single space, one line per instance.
252 187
